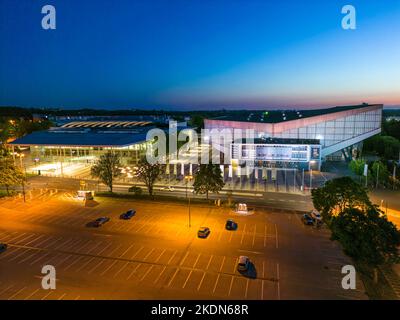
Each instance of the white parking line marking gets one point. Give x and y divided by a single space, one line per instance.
230 287
254 235
148 254
184 258
170 259
247 288
243 233
62 296
198 257
187 279
72 263
216 282
279 288
141 248
49 293
108 268
159 276
262 289
201 281
265 235
209 261
16 293
276 237
40 257
122 254
147 272
123 267
160 255
18 255
222 264
95 267
5 290
31 295
133 271
173 277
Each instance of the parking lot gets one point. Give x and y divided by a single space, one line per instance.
156 255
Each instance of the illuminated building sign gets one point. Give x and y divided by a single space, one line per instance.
275 152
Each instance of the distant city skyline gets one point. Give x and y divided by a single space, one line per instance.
199 55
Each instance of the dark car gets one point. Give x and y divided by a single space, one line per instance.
100 221
307 219
3 247
127 215
203 232
231 225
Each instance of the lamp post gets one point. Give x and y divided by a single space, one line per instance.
187 179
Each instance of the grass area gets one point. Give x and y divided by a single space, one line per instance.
375 291
3 193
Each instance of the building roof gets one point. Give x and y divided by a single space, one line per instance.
284 115
84 138
282 141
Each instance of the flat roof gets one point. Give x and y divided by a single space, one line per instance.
277 116
78 138
282 141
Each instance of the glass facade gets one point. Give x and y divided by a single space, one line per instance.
335 131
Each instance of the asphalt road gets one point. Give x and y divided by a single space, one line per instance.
156 255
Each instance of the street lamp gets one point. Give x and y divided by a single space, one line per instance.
187 179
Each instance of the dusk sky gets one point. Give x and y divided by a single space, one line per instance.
202 54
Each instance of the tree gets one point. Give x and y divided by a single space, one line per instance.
148 174
208 178
379 174
10 175
107 168
357 166
366 236
337 195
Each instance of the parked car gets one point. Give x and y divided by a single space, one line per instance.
231 225
243 263
100 221
127 215
3 247
307 219
203 232
316 215
168 188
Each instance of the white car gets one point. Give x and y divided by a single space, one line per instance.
169 188
316 215
243 263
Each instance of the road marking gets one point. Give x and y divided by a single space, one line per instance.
40 257
16 293
41 236
247 288
173 277
222 264
160 255
184 258
159 276
62 296
230 287
20 254
190 273
277 275
201 281
276 236
263 269
13 240
50 292
108 268
262 289
265 235
133 271
31 295
123 267
141 248
148 254
56 248
5 290
244 230
122 254
209 261
230 237
198 257
216 282
254 235
72 263
147 272
95 267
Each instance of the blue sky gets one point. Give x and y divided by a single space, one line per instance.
201 54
